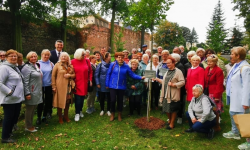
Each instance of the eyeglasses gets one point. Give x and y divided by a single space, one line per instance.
13 56
213 56
2 55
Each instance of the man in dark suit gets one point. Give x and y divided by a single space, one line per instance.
183 60
183 53
55 54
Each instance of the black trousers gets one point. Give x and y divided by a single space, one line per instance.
46 106
102 96
181 111
116 95
11 114
155 93
135 102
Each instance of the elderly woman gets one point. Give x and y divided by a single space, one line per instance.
32 88
172 82
135 89
155 92
201 53
126 59
100 77
195 75
20 62
179 65
87 54
139 57
11 94
92 94
45 107
98 57
188 65
220 63
134 51
200 115
214 84
83 74
237 89
62 86
148 51
116 81
2 56
163 63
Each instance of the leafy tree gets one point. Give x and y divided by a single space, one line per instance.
116 8
169 35
216 33
236 38
119 44
147 13
216 38
186 33
193 37
246 39
243 6
202 45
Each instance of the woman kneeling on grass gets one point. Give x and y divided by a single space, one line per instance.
200 115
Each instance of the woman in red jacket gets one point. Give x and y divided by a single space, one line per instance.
83 72
195 75
214 83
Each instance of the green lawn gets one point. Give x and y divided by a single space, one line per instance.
96 132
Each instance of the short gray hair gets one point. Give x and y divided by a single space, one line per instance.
191 53
87 51
177 57
78 53
145 55
199 87
134 50
155 56
4 52
148 50
200 49
181 46
62 54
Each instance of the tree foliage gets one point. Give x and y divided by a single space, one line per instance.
243 6
169 35
216 33
236 38
119 44
193 37
186 33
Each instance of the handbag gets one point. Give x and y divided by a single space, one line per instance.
242 123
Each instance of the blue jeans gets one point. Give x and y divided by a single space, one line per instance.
11 114
79 100
201 127
234 128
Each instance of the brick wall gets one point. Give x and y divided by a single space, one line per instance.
39 37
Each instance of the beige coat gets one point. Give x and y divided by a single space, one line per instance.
179 81
60 84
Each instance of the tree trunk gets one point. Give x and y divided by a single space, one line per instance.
142 36
64 24
112 30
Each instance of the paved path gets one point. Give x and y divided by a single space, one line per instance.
226 56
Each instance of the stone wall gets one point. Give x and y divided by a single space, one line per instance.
39 37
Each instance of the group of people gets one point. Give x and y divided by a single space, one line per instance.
196 78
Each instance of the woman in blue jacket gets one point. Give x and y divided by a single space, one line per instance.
100 76
116 81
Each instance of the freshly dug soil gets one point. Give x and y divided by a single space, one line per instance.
153 124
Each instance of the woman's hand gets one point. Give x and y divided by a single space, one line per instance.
54 90
143 77
245 107
90 83
171 84
216 99
98 86
107 87
194 120
67 76
133 87
28 97
199 120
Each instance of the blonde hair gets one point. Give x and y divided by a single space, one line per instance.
213 58
78 53
196 57
62 54
165 51
44 51
30 54
134 61
240 51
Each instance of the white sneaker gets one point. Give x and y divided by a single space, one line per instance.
81 114
179 120
124 106
102 112
220 120
77 117
108 112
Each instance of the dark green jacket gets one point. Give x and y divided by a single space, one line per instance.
139 84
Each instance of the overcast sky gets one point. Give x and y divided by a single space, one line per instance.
198 13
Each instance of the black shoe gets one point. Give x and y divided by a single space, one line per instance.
49 116
169 128
45 120
38 121
190 130
9 140
140 115
210 134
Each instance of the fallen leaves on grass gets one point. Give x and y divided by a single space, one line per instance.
37 138
115 147
93 141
